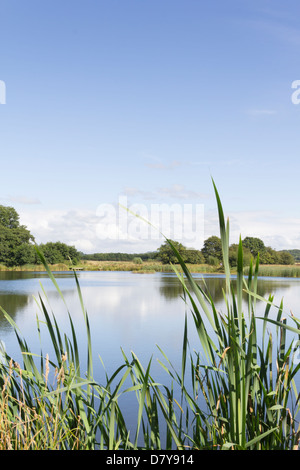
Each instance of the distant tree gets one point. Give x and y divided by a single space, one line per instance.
15 239
213 261
58 252
295 253
24 254
194 256
269 256
233 255
212 247
285 257
255 245
166 255
118 256
9 217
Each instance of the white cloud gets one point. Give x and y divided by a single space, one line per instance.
178 191
285 33
175 191
71 227
20 200
140 193
273 228
261 112
84 245
160 165
90 232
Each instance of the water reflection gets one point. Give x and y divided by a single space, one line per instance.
135 312
170 287
12 303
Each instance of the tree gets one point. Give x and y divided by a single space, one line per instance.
285 257
295 253
166 254
194 256
24 254
212 248
269 256
9 217
255 245
233 255
58 252
15 240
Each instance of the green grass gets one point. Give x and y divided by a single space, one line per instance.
153 267
237 390
146 266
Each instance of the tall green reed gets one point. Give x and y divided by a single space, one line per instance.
248 387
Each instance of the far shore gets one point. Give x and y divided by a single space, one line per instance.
148 267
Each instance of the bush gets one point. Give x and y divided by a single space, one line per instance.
213 261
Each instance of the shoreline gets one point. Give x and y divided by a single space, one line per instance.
150 267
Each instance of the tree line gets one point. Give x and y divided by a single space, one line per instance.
211 253
116 256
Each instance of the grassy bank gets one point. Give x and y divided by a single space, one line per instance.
156 266
240 392
35 267
146 266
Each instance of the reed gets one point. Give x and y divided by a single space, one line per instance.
237 390
248 387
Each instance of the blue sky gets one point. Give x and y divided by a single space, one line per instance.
147 100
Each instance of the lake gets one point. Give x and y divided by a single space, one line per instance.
135 312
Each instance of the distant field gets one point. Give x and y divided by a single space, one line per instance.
156 266
146 266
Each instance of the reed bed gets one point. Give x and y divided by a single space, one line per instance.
35 267
278 271
237 390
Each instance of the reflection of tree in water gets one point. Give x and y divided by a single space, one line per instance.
216 286
17 275
16 302
170 287
12 304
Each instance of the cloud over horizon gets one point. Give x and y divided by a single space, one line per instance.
108 230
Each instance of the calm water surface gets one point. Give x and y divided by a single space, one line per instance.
135 312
